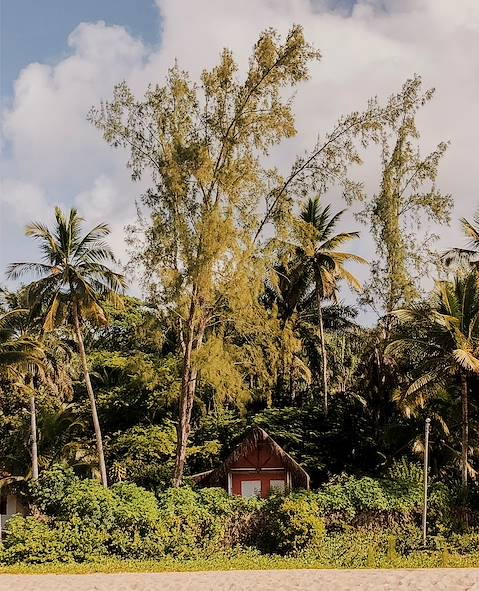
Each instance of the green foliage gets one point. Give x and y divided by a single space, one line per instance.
145 454
350 522
32 541
199 523
124 520
247 560
340 442
441 339
60 494
408 189
347 497
292 523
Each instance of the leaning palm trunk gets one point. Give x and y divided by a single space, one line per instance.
323 353
196 331
91 396
33 429
465 429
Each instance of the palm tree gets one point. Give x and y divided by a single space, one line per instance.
322 264
22 355
466 255
293 295
445 347
48 368
74 279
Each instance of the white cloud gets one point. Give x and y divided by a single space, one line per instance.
46 126
24 200
367 50
106 201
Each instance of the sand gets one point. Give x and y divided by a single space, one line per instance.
278 580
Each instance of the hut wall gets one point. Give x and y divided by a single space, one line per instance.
263 478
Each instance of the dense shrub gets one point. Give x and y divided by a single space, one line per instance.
291 523
32 541
350 522
61 494
193 527
352 500
82 520
124 520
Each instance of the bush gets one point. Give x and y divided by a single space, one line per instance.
135 509
81 521
292 523
62 495
32 541
348 500
200 522
467 543
353 548
124 520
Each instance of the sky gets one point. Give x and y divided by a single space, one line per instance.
60 57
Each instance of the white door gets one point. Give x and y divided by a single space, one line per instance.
250 488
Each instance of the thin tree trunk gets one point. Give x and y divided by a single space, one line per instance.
33 433
91 396
465 429
187 393
323 353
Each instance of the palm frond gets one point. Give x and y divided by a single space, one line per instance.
18 270
459 255
471 231
432 377
338 240
350 279
466 359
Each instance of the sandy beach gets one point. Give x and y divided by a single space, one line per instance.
297 580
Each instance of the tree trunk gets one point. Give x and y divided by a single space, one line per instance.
33 433
187 393
465 429
323 353
91 396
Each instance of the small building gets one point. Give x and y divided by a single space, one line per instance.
256 467
10 504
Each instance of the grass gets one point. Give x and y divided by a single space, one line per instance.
244 561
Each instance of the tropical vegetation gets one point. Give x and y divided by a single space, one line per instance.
257 307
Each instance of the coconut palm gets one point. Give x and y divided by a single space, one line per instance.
293 295
322 265
74 278
466 255
21 355
444 347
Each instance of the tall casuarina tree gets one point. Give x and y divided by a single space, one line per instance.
215 196
74 279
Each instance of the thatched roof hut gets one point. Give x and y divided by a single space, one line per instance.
256 466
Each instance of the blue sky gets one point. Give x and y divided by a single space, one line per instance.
37 30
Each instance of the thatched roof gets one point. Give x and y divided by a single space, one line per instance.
7 479
255 437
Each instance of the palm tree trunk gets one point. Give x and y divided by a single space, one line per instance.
465 429
91 396
187 393
33 434
323 352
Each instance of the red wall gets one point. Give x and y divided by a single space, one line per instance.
261 457
264 477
